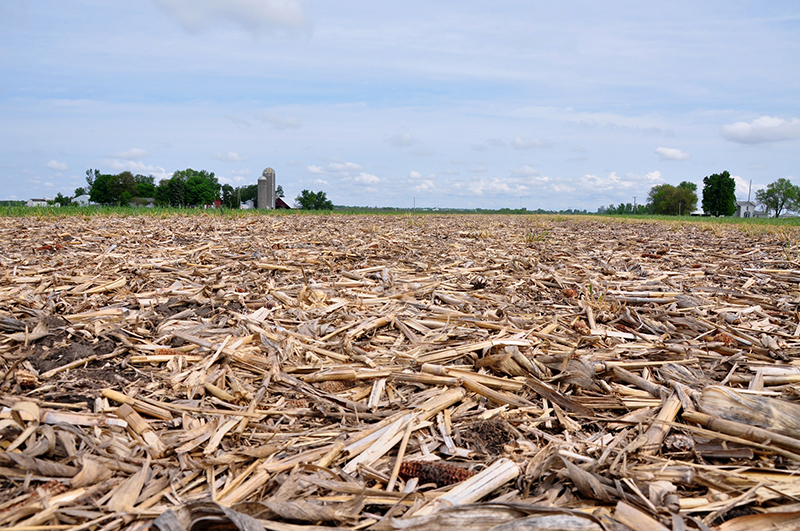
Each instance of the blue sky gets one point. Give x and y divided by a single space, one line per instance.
439 104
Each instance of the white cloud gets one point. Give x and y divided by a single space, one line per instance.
742 188
496 142
58 166
345 166
525 171
255 16
494 186
763 129
671 154
236 176
138 167
417 176
562 188
278 122
477 169
616 182
520 143
230 156
402 140
48 184
316 169
131 154
425 186
321 181
366 178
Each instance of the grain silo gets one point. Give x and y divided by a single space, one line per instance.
266 189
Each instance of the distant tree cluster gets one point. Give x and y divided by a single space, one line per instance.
624 209
233 197
308 200
669 200
187 188
107 189
719 198
196 188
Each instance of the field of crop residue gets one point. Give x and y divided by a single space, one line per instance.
398 372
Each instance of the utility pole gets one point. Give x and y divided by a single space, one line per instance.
634 204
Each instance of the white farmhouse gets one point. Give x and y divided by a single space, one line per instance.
37 202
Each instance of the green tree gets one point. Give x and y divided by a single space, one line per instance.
249 193
186 188
61 200
279 191
79 191
200 187
780 195
162 193
719 194
176 191
145 186
308 200
101 191
672 200
123 187
200 191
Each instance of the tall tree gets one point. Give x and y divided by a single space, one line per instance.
780 195
719 194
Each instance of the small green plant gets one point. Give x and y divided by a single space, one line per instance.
789 253
537 236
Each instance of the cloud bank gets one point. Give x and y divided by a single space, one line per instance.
761 130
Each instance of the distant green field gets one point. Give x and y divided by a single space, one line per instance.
709 219
165 212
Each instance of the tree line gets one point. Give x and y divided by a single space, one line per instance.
719 198
185 188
